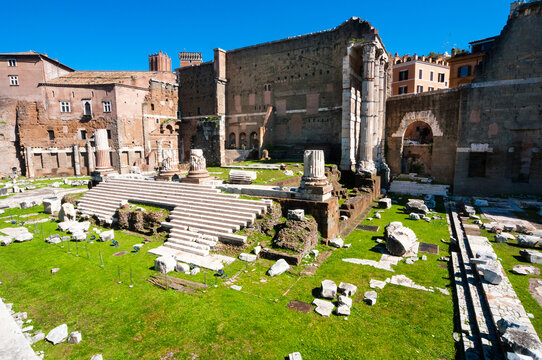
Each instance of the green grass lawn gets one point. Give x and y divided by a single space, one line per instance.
146 322
264 177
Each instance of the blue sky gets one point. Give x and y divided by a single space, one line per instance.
119 35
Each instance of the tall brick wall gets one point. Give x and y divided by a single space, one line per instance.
440 110
300 77
9 147
501 117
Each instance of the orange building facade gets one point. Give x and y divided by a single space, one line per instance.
417 74
462 65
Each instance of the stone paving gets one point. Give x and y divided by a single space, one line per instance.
483 305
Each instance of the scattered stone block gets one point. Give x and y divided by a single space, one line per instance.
247 257
67 212
195 271
51 206
297 214
399 240
97 357
328 289
58 334
343 310
257 250
107 235
414 216
336 242
528 241
525 228
525 270
323 307
55 270
384 203
295 356
417 206
182 267
490 272
377 284
236 287
344 300
347 289
499 238
5 240
79 236
531 256
378 216
370 297
22 237
165 264
38 336
278 268
75 337
53 239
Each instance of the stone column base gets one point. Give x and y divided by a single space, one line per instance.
167 175
316 193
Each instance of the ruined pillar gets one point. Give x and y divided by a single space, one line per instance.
348 134
103 158
76 160
365 164
314 184
159 152
198 168
29 156
314 172
90 157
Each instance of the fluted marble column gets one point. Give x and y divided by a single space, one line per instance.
365 159
198 168
314 168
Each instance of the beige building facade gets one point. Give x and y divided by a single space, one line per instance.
417 74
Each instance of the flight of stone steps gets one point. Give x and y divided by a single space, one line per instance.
482 305
201 214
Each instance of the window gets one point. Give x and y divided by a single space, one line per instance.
107 106
431 76
440 77
199 111
430 88
14 80
87 108
65 106
420 74
403 89
12 62
51 134
152 107
403 75
109 134
463 71
83 134
419 89
477 164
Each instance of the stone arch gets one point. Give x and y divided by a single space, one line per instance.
232 141
426 116
417 148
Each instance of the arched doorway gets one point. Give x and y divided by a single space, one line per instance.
254 142
242 141
416 155
231 143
